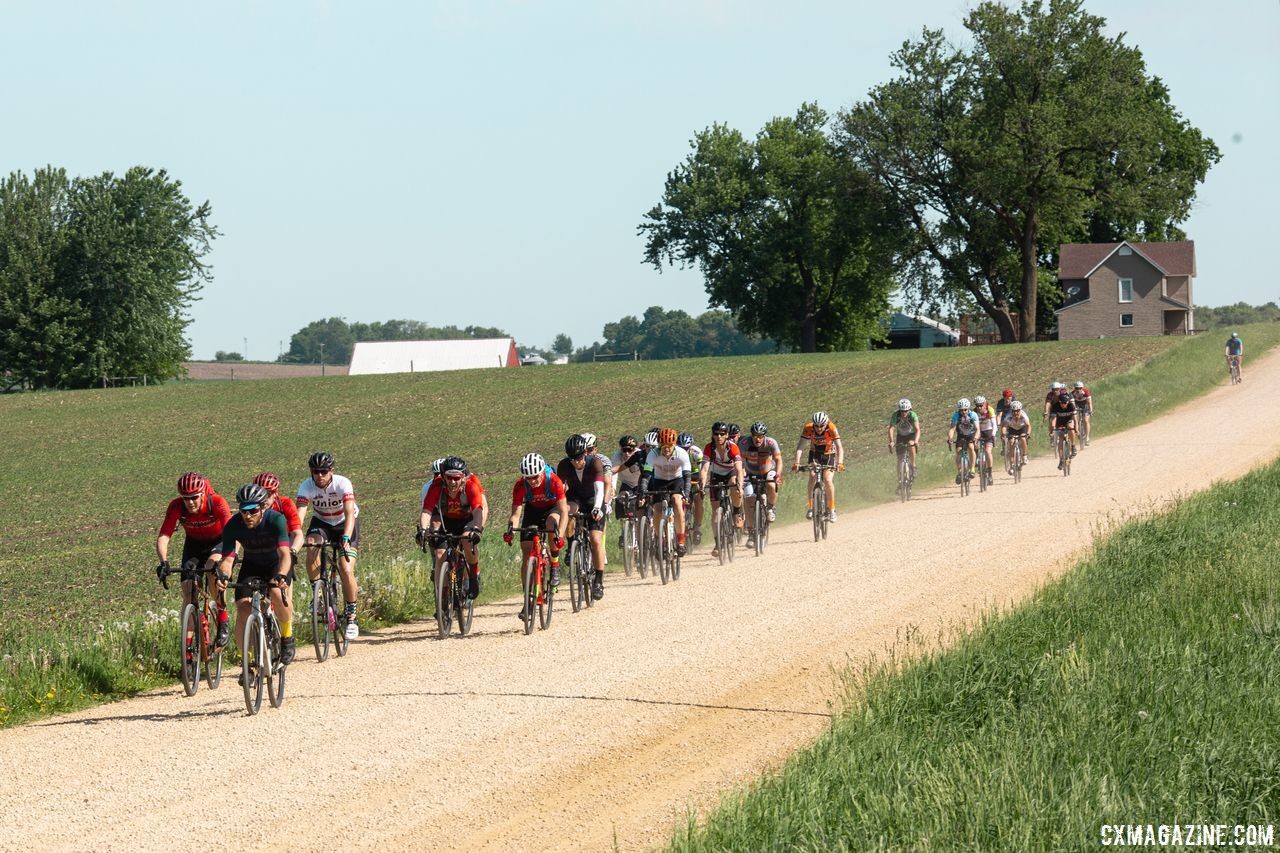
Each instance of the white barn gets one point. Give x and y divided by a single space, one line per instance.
422 356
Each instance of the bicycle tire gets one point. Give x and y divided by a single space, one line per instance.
982 470
822 498
814 497
628 546
665 546
643 544
340 641
275 671
548 601
757 518
587 576
189 648
528 614
252 651
319 622
464 606
213 659
444 598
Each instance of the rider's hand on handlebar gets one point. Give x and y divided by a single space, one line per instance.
840 465
596 514
559 543
421 536
795 466
162 572
508 537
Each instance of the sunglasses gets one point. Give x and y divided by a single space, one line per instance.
455 478
190 497
251 510
319 471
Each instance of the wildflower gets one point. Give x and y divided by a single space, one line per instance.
1142 715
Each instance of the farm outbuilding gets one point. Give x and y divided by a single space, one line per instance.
423 356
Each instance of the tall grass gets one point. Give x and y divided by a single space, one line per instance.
1142 687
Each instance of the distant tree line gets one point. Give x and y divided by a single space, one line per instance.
660 334
1236 315
332 340
96 275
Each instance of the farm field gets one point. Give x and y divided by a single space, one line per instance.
654 702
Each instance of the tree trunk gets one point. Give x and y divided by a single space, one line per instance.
1030 280
809 315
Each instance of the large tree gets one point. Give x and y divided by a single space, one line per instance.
662 334
790 235
1043 131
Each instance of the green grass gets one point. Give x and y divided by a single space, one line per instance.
89 473
1143 687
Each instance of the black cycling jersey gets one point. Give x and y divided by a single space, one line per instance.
260 543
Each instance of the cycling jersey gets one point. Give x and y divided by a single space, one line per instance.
905 427
286 507
965 427
1083 399
580 486
671 467
330 503
540 497
260 543
454 507
1235 346
1016 421
1063 411
1002 406
426 487
821 442
986 418
628 467
205 524
760 459
695 460
722 461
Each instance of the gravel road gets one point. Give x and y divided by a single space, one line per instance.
613 724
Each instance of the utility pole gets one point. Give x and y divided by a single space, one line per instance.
322 358
246 349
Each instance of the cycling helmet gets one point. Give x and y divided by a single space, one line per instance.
979 400
268 481
590 438
627 441
734 429
437 465
1079 384
719 426
963 404
453 463
532 465
321 460
1007 393
685 440
758 428
667 437
820 420
1063 392
1016 405
1058 386
575 446
251 496
651 438
654 429
1235 334
192 484
904 405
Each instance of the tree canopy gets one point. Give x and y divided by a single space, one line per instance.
1044 131
676 334
790 234
332 340
96 275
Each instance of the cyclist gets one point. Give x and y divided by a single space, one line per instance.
1015 426
825 448
963 432
904 430
666 472
1235 349
763 459
584 483
262 536
457 503
724 467
686 443
336 520
988 425
607 465
735 435
203 513
1084 405
538 500
627 465
1004 403
1062 415
1051 396
284 505
435 475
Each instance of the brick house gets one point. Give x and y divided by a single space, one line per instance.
1126 289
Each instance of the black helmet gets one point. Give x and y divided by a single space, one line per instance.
453 463
719 426
321 460
575 446
758 428
734 429
252 495
627 441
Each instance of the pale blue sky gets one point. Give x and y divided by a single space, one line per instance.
488 162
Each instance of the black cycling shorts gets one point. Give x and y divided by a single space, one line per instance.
585 509
334 532
534 517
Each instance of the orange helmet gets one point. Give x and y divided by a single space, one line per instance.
667 437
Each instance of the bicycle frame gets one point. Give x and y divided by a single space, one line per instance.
260 647
722 519
537 595
328 616
819 495
196 638
451 582
582 565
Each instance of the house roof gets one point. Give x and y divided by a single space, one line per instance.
922 320
421 356
1079 260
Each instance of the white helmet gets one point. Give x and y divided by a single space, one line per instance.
963 404
1016 405
532 465
1057 385
651 439
904 405
979 400
820 420
437 465
1079 384
591 440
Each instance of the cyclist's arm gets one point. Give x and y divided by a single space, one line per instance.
839 446
349 522
162 547
562 511
284 559
800 445
480 515
597 499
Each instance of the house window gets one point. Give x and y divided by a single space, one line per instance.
1125 250
1126 321
1126 290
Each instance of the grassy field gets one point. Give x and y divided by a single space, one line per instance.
84 493
1032 732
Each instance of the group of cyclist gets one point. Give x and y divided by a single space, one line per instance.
264 537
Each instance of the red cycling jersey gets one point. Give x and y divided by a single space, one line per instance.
542 496
286 507
721 462
204 524
458 507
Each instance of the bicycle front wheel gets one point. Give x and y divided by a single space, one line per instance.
665 548
275 671
464 606
189 663
644 545
319 622
816 498
253 651
528 613
338 619
212 658
570 565
628 546
546 602
444 598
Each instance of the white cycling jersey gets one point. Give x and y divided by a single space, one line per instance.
671 467
328 503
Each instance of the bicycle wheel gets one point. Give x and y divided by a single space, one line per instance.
757 519
643 544
528 612
338 617
587 575
464 606
628 546
189 640
982 469
816 497
964 474
822 527
546 602
444 598
666 546
319 622
253 654
731 533
275 671
213 659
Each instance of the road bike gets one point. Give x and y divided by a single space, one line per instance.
759 532
580 563
646 542
539 596
452 582
966 463
723 525
818 497
668 556
1233 368
1062 450
198 626
328 615
905 477
628 538
261 647
984 467
1015 456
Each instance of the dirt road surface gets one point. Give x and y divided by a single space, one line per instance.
614 723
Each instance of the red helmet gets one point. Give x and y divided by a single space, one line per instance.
192 483
1007 393
268 481
667 437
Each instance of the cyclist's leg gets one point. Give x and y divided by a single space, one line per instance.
314 539
813 478
677 507
771 490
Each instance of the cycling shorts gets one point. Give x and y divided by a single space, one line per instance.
986 438
585 509
195 553
1064 422
456 526
659 488
1017 431
816 458
900 439
265 570
534 517
333 532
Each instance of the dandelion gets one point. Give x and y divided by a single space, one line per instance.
1142 715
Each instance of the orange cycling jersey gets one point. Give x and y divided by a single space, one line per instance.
821 442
